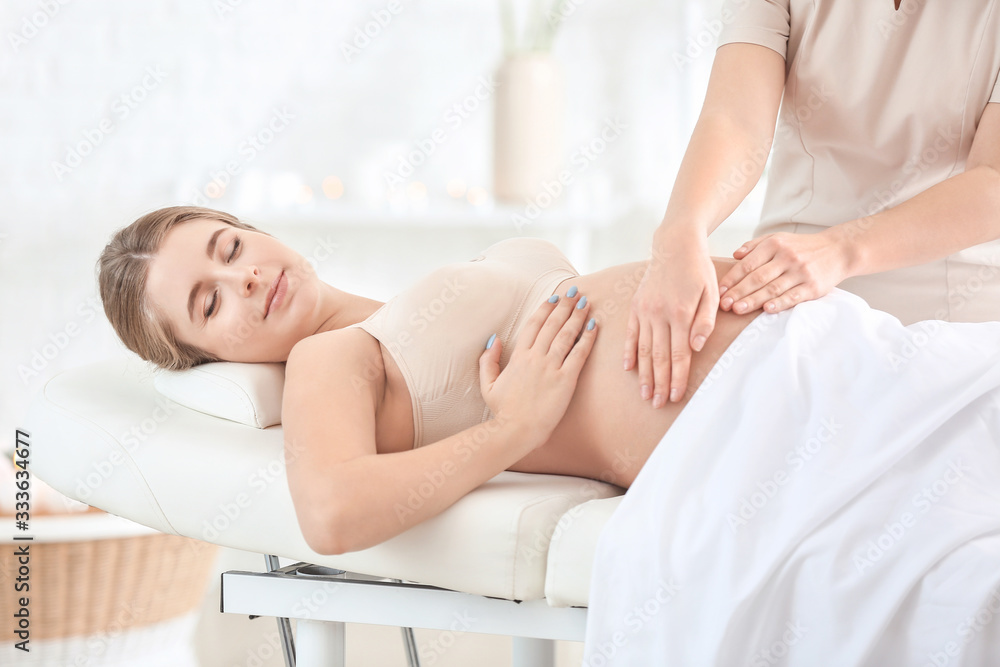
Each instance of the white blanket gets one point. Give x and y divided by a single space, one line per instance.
829 496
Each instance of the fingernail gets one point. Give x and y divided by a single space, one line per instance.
645 392
553 298
591 323
743 248
722 290
489 343
699 341
626 364
727 302
581 303
741 306
572 291
675 394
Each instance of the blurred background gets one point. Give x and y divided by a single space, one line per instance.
372 136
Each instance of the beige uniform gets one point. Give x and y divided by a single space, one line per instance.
878 106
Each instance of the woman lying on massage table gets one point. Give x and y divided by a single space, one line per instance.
379 398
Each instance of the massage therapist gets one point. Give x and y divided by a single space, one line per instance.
884 178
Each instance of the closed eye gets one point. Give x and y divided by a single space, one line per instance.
215 295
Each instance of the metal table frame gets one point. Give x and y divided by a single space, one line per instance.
323 599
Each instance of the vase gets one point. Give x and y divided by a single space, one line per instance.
528 128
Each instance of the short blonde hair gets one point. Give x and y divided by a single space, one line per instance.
122 271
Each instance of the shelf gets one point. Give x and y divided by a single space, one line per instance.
521 219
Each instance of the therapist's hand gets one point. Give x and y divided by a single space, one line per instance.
777 271
672 312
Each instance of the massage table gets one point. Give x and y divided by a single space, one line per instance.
200 453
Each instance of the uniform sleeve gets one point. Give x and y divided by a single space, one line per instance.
764 22
995 97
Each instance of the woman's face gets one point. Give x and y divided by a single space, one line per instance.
211 281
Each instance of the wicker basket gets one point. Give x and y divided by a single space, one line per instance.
86 588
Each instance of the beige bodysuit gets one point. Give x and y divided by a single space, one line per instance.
437 329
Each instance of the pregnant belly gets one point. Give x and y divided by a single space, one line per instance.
608 431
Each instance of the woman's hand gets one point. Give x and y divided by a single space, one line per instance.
673 311
777 271
538 381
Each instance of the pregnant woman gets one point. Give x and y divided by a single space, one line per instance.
829 467
377 395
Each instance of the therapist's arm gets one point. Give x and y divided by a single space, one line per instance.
957 213
673 309
779 270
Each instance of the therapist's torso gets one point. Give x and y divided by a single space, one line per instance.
879 105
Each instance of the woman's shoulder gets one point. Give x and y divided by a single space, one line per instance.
350 352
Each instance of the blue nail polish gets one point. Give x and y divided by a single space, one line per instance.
590 324
489 343
553 298
572 291
581 303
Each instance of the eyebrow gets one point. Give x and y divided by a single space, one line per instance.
209 251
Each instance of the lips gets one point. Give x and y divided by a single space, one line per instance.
272 290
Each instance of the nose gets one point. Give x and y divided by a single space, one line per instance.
251 280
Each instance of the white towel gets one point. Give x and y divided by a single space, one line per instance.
829 496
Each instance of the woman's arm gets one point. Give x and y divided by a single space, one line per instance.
777 271
348 497
379 496
673 311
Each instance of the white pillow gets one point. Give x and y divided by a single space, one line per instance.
241 392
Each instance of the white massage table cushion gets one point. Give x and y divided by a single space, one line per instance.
245 393
103 435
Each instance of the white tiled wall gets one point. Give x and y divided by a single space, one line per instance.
110 109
